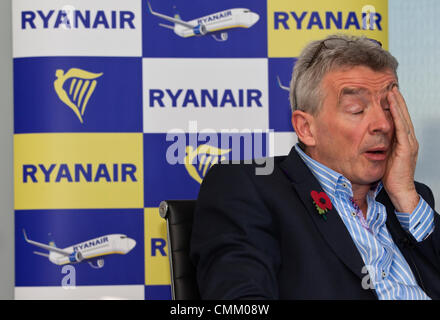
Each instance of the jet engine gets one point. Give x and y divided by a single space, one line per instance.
200 30
76 256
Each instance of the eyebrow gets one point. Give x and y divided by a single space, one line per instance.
390 87
347 91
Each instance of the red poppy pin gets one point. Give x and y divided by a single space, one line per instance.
322 203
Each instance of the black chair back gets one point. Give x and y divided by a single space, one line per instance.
179 216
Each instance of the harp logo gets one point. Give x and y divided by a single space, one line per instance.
80 83
207 156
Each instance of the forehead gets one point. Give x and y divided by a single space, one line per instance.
359 78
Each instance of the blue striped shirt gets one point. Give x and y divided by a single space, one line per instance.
389 273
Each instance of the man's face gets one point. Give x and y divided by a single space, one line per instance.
354 129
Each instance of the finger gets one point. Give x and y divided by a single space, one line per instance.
403 107
400 107
402 138
401 128
396 111
401 111
405 112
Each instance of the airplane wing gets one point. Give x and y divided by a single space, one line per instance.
45 246
166 26
171 19
42 254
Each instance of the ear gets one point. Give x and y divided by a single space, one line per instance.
303 123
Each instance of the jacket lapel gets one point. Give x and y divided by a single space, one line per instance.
333 229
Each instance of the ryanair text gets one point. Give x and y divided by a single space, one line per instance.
326 21
79 172
75 19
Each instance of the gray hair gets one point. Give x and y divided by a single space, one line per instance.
305 86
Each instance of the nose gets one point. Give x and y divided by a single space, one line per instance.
130 244
381 120
253 18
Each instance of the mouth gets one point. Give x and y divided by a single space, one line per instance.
376 154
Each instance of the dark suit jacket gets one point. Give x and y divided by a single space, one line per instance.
260 236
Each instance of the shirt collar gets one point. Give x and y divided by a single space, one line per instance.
330 180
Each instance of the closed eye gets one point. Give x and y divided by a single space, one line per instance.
385 104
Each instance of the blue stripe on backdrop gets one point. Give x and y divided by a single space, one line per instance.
68 227
159 41
166 173
280 73
158 292
45 99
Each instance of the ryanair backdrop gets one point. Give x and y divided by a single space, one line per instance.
280 73
219 94
200 28
77 94
107 247
157 270
177 167
78 170
121 104
77 28
292 24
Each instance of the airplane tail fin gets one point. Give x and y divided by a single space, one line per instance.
176 14
51 240
51 247
52 244
281 85
175 20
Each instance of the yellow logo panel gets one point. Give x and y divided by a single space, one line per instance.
81 85
208 156
78 170
293 24
157 264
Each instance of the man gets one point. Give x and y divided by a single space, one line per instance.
340 217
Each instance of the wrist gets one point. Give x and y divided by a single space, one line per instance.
405 201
